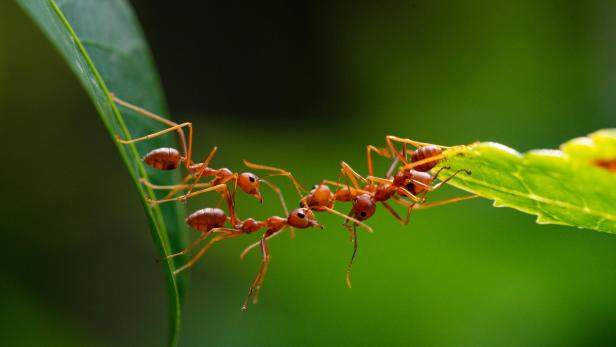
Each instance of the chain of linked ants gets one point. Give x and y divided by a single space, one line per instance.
406 183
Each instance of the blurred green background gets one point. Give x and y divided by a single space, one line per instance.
304 86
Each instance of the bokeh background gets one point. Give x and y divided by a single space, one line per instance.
304 85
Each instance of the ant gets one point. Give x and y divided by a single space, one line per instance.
412 181
364 200
319 199
413 176
213 220
231 197
171 159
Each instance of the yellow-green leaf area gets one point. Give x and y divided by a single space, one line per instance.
564 186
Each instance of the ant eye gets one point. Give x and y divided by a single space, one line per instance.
363 213
252 179
301 214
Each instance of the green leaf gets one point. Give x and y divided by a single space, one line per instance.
573 186
103 44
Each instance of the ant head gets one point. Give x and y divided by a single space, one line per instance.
302 218
249 183
363 207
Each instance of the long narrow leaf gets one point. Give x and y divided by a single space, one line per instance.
102 43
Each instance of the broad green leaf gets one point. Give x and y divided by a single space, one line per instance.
103 44
572 186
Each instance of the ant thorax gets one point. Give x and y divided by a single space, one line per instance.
199 169
401 178
384 191
275 223
344 194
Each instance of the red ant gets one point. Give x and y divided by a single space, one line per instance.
171 159
412 181
319 199
212 220
364 200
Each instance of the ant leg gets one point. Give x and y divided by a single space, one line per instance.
278 172
219 188
262 269
352 174
415 164
440 184
392 147
174 191
349 219
350 266
380 151
374 179
401 190
151 115
256 244
410 195
409 207
341 185
204 166
392 167
280 196
396 160
391 139
174 187
190 247
394 213
416 144
447 201
230 205
228 234
255 299
282 202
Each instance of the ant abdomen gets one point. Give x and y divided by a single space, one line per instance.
163 158
424 153
320 196
418 176
206 219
